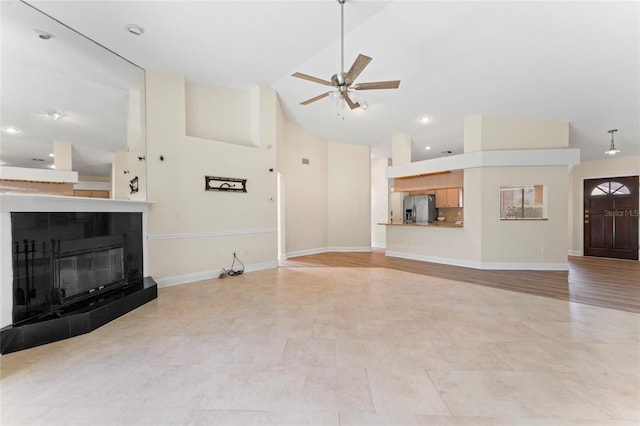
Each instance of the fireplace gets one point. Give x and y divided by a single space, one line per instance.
73 271
84 268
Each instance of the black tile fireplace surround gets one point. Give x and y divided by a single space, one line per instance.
72 273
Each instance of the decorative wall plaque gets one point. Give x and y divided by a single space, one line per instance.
133 185
216 183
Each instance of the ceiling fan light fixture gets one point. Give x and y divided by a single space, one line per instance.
425 119
52 113
612 148
343 81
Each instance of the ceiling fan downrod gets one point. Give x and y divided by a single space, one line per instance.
342 2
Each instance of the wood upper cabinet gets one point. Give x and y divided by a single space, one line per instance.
428 182
448 197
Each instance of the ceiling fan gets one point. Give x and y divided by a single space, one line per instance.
343 82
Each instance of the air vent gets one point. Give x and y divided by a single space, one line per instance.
305 161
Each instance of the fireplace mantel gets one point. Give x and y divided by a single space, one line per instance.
10 203
58 203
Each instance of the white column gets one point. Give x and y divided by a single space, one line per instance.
62 159
400 149
400 154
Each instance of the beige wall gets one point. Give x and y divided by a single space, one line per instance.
326 203
349 197
525 241
306 192
379 201
193 231
485 241
219 114
499 132
522 242
607 167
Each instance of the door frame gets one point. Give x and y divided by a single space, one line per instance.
580 217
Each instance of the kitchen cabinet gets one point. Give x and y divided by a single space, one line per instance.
428 182
448 197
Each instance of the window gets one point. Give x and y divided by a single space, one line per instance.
523 202
610 188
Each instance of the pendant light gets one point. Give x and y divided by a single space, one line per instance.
612 148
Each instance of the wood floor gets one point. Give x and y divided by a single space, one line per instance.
608 283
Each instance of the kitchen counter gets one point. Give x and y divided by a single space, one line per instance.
433 224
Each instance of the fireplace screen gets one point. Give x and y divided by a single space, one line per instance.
85 273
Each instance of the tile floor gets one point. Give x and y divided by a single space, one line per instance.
336 346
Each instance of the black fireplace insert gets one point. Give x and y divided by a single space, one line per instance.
63 259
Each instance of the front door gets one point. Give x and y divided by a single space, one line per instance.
611 217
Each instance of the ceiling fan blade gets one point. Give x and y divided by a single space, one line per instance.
310 78
315 98
360 63
352 105
378 85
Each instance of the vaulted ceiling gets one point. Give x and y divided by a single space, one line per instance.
572 61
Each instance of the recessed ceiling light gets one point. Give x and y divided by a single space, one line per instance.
426 119
52 166
10 130
134 29
43 35
427 148
52 113
51 154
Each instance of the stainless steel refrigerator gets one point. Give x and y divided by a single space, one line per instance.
419 208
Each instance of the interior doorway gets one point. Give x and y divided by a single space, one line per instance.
611 217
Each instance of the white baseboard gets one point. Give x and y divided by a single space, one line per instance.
328 250
208 275
481 265
305 252
379 245
434 259
349 249
261 266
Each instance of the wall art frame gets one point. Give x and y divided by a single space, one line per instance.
224 184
